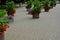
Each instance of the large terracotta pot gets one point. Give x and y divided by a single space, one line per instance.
35 15
46 8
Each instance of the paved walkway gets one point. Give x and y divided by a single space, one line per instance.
47 27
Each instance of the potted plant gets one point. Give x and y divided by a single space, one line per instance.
10 8
2 17
36 10
3 26
46 5
29 5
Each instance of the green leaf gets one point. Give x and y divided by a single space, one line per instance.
2 13
29 3
10 5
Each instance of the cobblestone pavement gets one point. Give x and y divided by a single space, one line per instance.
47 27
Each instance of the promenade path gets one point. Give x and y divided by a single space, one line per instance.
47 27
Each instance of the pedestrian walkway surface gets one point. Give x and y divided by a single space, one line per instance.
47 27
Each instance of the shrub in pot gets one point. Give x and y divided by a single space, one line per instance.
36 10
46 5
29 5
3 25
10 8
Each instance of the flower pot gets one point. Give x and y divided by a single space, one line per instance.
1 35
11 12
32 12
46 8
35 15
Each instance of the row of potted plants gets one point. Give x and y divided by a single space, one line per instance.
4 22
34 7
